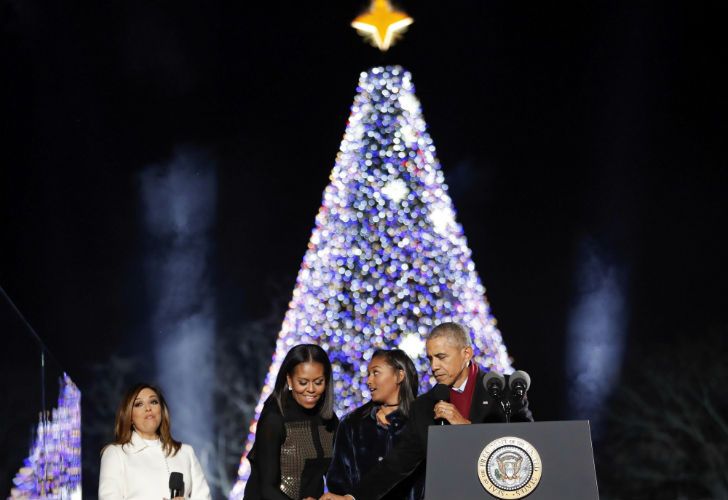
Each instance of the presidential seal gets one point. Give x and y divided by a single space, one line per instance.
509 467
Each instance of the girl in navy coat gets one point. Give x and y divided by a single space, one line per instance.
367 434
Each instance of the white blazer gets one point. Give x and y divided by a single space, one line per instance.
140 471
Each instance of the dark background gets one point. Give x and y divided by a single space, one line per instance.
555 123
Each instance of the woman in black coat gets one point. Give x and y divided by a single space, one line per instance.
367 434
295 432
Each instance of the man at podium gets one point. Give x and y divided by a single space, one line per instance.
465 400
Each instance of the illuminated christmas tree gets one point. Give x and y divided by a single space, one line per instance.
53 468
386 260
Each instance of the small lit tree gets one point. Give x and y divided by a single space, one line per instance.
53 467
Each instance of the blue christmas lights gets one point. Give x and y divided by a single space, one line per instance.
386 260
53 468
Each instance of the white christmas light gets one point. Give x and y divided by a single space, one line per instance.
409 102
413 345
442 217
395 190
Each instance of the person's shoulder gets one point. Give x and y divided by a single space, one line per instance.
271 404
112 449
271 407
424 401
364 409
357 414
427 396
187 450
271 414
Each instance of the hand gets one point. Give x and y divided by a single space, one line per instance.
448 412
331 496
382 418
309 498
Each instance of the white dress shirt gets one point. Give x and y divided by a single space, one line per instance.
461 387
140 470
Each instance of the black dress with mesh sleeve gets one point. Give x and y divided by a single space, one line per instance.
291 453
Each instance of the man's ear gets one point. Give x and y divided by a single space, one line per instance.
468 352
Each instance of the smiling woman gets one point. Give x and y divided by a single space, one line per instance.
295 433
139 462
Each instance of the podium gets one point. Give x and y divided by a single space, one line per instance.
538 460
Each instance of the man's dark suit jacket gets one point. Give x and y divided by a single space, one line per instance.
412 448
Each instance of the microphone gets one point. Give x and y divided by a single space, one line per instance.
494 383
441 392
519 383
176 485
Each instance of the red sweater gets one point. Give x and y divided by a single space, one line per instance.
463 400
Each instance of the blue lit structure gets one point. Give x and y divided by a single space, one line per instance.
53 468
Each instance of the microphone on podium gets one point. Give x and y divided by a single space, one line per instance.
176 485
519 383
441 392
494 383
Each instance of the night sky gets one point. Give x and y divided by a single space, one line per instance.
559 127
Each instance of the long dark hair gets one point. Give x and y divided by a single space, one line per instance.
123 426
305 353
399 361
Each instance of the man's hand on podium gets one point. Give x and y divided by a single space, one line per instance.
448 412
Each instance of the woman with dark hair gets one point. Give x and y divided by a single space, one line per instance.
138 463
295 433
367 434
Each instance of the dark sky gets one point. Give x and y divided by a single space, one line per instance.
556 123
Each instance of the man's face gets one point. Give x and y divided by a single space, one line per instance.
448 362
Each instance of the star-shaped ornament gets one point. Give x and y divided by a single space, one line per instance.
382 24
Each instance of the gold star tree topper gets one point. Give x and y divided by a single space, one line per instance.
382 24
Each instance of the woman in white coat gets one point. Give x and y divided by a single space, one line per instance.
138 464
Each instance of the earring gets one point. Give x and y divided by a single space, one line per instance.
290 388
